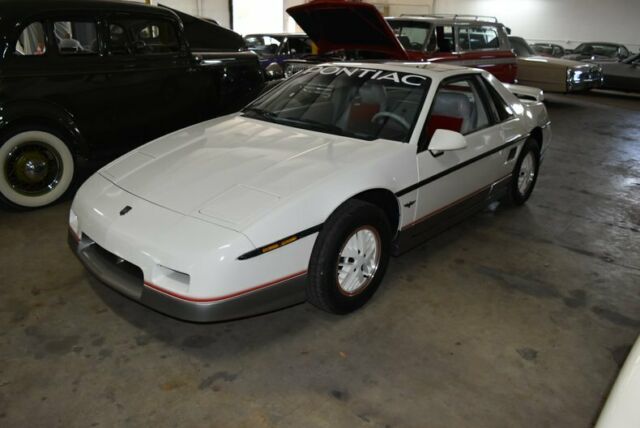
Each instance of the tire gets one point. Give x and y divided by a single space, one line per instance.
525 173
354 223
36 167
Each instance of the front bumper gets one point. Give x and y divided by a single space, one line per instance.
588 80
127 279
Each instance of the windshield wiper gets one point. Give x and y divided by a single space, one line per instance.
260 113
314 125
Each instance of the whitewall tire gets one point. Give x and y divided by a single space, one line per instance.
36 168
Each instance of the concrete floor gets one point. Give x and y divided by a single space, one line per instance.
515 318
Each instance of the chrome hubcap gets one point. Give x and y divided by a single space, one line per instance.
358 260
527 173
33 168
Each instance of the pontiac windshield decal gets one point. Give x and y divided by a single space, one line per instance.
371 74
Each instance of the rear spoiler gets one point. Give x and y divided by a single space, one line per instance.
525 92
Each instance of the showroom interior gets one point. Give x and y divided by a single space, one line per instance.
185 186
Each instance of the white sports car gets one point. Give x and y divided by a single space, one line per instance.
306 193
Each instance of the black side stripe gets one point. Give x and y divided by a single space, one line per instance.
459 166
281 242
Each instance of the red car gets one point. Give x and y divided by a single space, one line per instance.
358 31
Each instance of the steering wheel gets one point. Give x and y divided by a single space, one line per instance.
401 120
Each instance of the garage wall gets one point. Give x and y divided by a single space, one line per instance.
567 22
386 7
257 16
398 7
289 24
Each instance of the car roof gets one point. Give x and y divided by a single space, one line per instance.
435 71
442 20
18 8
300 35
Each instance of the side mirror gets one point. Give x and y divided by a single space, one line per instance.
445 140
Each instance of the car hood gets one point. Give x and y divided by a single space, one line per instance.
232 170
552 62
339 24
589 58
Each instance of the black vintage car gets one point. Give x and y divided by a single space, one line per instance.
87 80
623 75
599 52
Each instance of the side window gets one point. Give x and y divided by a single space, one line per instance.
76 37
412 36
476 38
118 43
142 37
271 45
299 46
457 107
153 37
499 105
443 39
31 40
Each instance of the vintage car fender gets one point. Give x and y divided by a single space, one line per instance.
44 113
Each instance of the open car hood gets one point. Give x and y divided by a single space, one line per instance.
343 24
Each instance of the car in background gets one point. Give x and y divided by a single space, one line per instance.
548 49
553 74
275 48
83 81
599 52
306 193
622 75
345 30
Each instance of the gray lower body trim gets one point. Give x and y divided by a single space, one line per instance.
127 279
441 220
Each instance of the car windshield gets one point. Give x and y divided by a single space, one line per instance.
541 49
411 34
263 45
364 103
521 47
597 49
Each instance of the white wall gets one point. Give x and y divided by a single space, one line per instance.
257 16
398 7
565 21
289 24
386 7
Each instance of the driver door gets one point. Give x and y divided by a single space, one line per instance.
454 183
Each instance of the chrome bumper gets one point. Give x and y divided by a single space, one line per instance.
592 81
